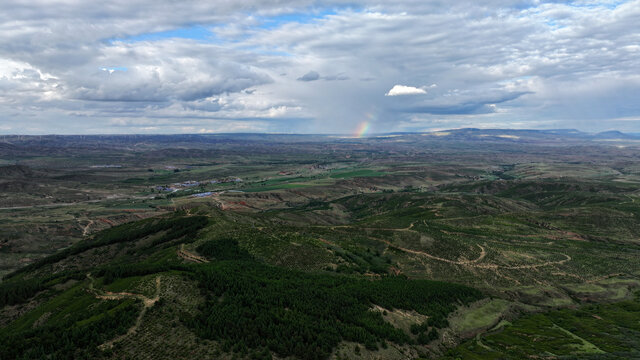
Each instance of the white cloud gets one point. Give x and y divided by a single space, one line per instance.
510 62
398 90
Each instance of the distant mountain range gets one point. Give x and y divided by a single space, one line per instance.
526 134
8 142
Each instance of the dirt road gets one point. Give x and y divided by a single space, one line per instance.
146 302
189 256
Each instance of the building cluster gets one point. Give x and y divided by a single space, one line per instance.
205 194
193 183
106 166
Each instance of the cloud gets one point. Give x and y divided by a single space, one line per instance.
398 90
339 77
195 65
461 104
314 75
310 76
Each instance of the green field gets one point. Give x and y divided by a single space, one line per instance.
355 173
275 187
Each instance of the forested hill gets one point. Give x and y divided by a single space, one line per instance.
76 302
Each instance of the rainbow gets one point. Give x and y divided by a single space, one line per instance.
364 126
362 129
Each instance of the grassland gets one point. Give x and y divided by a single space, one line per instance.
608 330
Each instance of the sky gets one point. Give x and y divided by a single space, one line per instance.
305 66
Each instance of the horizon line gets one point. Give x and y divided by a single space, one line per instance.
346 135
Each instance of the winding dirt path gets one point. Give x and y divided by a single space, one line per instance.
474 263
603 277
85 230
189 256
109 295
534 266
483 253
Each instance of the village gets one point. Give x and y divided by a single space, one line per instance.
189 184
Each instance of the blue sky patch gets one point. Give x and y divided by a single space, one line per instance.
197 32
300 18
112 69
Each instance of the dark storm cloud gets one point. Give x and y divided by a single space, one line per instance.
310 76
314 75
463 105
